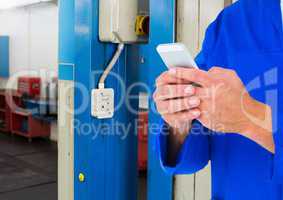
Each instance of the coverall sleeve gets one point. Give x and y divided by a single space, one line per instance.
195 152
277 118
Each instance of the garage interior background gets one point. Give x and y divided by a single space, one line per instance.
72 53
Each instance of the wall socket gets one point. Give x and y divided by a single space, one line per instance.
102 103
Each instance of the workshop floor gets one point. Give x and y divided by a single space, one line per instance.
29 170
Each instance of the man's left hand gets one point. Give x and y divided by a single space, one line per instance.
226 106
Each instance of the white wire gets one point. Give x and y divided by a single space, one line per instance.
110 66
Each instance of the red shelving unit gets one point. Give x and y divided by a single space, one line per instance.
24 124
19 120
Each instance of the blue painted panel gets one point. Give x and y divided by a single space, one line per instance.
85 158
162 30
121 168
66 72
66 31
108 160
4 56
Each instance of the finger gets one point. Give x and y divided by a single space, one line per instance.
203 93
173 91
216 70
221 73
177 105
193 75
167 78
183 116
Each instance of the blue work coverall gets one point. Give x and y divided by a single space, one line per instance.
246 37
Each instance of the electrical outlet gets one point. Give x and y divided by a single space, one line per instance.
102 103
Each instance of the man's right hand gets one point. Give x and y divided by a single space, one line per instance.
176 102
178 105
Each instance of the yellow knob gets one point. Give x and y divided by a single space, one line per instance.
142 25
81 177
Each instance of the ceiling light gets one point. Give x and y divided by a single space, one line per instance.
6 4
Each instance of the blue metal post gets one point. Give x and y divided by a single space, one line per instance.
162 30
108 161
66 39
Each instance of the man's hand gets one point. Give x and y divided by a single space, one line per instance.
226 105
177 103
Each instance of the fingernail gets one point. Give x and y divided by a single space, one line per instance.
189 90
196 113
172 71
194 101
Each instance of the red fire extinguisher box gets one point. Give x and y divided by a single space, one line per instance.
30 86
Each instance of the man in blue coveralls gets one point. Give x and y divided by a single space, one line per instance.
235 117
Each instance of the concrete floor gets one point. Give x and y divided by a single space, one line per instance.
29 170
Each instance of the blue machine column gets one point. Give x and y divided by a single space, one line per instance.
66 100
108 162
162 30
105 163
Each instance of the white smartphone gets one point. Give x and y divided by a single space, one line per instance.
176 55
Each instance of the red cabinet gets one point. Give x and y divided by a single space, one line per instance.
24 124
16 119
